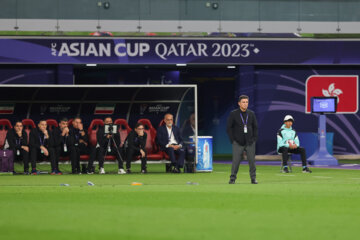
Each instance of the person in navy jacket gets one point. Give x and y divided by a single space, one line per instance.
170 141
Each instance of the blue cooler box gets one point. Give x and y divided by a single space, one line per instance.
204 154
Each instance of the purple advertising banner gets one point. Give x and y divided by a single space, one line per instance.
175 50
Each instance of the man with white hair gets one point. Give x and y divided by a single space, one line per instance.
170 141
288 142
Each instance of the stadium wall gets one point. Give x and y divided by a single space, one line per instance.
232 10
275 88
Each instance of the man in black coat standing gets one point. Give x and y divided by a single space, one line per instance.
170 141
135 146
40 140
18 143
243 132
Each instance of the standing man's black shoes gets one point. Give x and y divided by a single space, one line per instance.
253 181
232 181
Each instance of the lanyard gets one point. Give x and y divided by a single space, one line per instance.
64 139
18 141
170 133
247 117
42 141
77 136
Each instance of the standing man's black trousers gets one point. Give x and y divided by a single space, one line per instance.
237 156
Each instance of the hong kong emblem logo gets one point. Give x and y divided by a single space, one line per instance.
332 92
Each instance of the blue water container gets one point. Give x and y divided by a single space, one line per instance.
204 154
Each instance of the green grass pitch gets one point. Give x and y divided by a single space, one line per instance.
321 205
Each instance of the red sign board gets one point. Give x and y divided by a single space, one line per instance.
345 88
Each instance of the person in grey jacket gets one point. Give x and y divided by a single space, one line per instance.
242 130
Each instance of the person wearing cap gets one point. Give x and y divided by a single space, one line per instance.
242 130
288 142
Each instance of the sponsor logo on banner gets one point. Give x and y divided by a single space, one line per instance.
43 108
7 108
59 109
104 109
345 88
158 108
143 108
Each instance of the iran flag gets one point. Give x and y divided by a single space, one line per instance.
104 108
7 108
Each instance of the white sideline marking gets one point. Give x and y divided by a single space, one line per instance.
321 177
286 175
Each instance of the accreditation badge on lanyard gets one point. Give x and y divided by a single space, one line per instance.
65 147
42 142
170 133
245 122
18 144
77 137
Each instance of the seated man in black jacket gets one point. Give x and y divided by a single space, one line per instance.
135 146
109 144
18 143
39 144
60 145
78 144
170 141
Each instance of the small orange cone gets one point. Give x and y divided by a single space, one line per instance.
136 184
